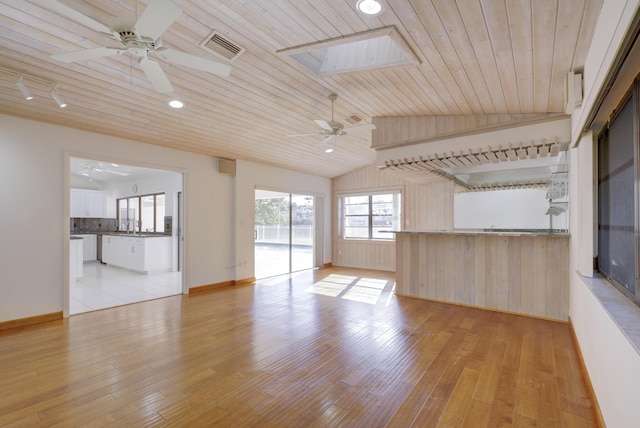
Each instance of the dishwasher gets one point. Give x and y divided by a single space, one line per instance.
99 248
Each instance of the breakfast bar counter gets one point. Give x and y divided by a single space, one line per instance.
511 271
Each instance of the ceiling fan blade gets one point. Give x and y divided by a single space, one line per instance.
192 61
353 137
156 18
88 54
74 15
324 125
324 141
155 74
363 127
113 171
304 135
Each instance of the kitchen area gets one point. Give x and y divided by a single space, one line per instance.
124 229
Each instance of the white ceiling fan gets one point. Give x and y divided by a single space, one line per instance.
332 128
141 39
89 169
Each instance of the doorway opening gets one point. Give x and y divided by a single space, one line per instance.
128 219
284 233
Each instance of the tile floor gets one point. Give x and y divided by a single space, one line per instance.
102 286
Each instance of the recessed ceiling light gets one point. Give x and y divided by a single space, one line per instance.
116 165
176 104
369 7
329 150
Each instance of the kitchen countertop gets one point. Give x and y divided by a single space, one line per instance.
497 232
137 235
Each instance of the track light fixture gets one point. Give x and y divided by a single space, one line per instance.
56 97
20 84
25 92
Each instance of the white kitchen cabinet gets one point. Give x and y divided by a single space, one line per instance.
89 246
75 258
145 255
88 203
131 253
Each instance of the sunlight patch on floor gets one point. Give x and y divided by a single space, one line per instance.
332 285
365 290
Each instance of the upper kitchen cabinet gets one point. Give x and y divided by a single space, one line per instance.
88 203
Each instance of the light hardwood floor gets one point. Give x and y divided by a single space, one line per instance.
333 347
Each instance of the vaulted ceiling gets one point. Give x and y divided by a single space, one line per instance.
475 57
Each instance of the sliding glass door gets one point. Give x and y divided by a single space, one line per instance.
301 232
283 233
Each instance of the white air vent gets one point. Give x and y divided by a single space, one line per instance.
222 46
353 119
572 91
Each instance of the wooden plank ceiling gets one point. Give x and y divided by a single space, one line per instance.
477 57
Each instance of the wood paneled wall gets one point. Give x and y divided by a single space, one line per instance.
427 205
397 131
521 274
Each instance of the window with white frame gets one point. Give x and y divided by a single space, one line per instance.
370 216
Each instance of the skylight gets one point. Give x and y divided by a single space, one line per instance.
361 51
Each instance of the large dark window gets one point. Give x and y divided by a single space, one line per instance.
617 197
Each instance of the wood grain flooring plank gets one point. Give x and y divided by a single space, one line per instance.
456 408
330 418
477 415
437 400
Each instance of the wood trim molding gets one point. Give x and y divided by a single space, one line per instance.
585 376
211 287
25 322
245 281
483 308
327 265
218 285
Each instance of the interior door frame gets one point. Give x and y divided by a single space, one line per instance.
66 227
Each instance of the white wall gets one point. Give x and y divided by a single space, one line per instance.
34 226
250 175
501 209
612 362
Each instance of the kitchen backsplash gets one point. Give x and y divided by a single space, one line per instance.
92 225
